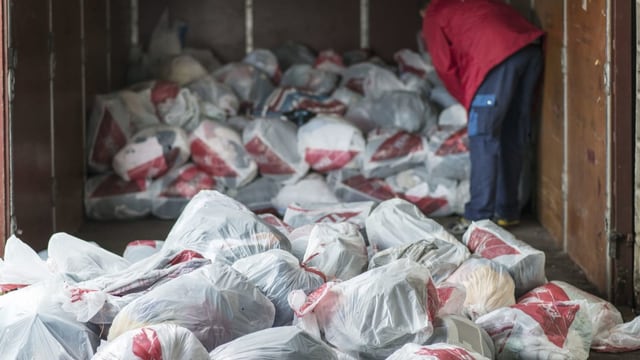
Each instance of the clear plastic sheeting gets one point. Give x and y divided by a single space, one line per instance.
356 213
488 286
281 343
330 143
162 341
558 330
442 258
152 152
373 314
390 151
338 251
525 264
460 331
273 144
216 303
217 149
276 273
215 224
108 197
397 222
438 351
78 260
33 326
172 192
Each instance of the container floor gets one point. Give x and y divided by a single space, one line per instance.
114 236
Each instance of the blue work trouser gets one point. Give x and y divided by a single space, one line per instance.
499 129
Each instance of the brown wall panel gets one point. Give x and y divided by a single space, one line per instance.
68 116
217 25
393 26
31 143
120 41
96 40
586 241
548 14
320 24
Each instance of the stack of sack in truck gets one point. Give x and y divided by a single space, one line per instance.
280 127
335 282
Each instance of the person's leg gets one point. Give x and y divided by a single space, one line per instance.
486 117
515 134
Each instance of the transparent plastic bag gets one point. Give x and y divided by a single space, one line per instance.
310 80
217 101
162 341
435 196
108 197
183 69
252 86
451 297
216 303
273 144
281 343
21 266
448 154
460 331
434 352
218 150
276 273
310 190
215 224
399 110
356 213
390 151
351 186
525 264
266 61
373 314
412 63
257 195
141 249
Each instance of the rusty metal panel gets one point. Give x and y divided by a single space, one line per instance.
68 116
96 46
31 141
587 131
120 37
393 26
622 152
320 24
217 25
550 141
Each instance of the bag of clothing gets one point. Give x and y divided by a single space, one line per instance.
183 69
460 331
310 190
351 186
21 266
280 343
310 80
214 224
355 212
451 297
218 150
434 352
257 195
217 101
251 85
448 153
435 196
390 151
141 249
266 61
152 152
411 62
286 100
161 341
402 110
525 264
373 314
216 303
290 53
276 273
108 197
329 60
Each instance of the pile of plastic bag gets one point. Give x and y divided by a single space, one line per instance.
329 281
364 130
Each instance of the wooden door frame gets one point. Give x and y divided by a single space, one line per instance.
621 238
5 196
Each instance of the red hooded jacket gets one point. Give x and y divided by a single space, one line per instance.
467 38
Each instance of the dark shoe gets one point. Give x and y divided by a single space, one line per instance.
459 226
506 223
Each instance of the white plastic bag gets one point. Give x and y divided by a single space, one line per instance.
162 341
330 143
448 154
442 258
397 222
108 197
620 338
399 110
79 260
290 53
21 266
266 61
390 151
214 224
354 212
288 101
281 343
411 62
152 152
487 284
306 78
460 331
360 114
373 314
276 273
251 85
257 195
273 144
108 129
454 116
525 264
435 196
559 330
437 351
351 186
216 303
451 297
310 190
299 238
277 223
33 326
329 60
338 251
183 69
216 100
171 193
218 149
141 249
